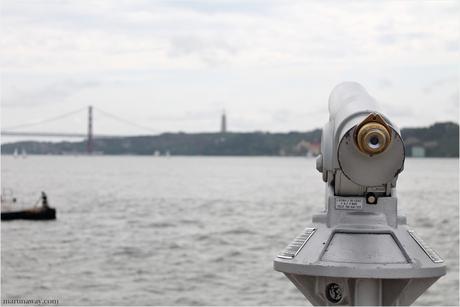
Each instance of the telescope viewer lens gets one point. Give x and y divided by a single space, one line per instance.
375 139
372 138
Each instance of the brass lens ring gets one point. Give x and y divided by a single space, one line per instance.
373 138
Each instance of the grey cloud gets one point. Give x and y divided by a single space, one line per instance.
455 99
385 83
191 115
185 46
283 115
390 38
440 83
453 46
387 39
210 7
13 96
385 26
210 50
401 110
452 105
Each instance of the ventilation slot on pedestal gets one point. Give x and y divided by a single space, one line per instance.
428 250
294 248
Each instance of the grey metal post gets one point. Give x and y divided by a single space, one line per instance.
368 292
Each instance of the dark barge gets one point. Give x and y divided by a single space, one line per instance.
30 214
45 212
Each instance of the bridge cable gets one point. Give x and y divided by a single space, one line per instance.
125 121
45 120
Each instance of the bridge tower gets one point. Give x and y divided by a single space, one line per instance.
89 140
223 123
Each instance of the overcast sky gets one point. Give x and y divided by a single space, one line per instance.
175 65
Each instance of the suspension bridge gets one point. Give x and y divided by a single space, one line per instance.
88 135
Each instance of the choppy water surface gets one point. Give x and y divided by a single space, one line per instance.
190 231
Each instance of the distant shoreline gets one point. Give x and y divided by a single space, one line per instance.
437 140
194 156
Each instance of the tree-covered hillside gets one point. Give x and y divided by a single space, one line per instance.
438 140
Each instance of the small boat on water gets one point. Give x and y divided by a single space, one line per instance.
30 214
44 212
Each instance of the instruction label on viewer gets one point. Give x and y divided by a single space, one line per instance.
349 203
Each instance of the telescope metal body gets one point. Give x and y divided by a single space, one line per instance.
359 251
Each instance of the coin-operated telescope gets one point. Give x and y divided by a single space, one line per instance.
359 251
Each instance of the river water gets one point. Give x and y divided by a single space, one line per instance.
190 230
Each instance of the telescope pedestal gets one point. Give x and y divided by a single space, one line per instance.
360 254
360 291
